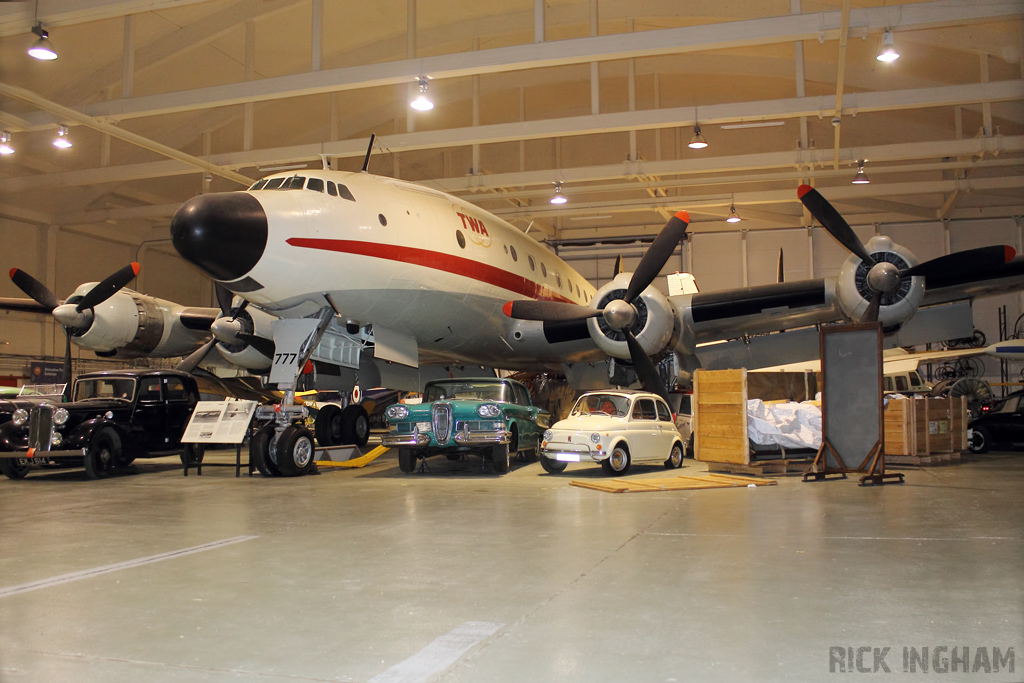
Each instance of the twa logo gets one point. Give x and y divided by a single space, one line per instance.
476 229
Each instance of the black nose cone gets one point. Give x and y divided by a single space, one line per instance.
224 234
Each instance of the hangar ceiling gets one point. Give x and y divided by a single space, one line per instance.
165 99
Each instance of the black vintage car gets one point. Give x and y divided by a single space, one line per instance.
113 418
1001 425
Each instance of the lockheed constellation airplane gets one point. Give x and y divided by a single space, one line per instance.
385 282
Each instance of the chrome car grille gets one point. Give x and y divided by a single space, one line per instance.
441 417
40 427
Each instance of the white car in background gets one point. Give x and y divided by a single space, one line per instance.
615 428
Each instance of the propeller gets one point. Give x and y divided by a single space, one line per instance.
224 299
884 277
619 314
73 316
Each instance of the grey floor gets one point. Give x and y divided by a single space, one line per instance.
372 575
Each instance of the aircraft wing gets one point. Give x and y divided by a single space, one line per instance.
22 305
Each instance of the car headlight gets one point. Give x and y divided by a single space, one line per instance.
397 412
56 439
595 437
20 416
488 410
548 434
60 416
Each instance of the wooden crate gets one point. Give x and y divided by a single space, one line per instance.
925 426
720 416
898 419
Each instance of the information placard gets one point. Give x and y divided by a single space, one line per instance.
219 422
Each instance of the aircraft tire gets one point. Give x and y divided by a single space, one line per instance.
15 468
328 426
295 451
355 425
259 451
406 460
552 466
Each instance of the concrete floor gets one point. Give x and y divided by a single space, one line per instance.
372 575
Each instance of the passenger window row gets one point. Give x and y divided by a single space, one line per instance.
298 182
511 251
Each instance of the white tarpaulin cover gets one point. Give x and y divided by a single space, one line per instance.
790 425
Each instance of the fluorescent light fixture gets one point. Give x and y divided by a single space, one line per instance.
5 143
282 167
589 218
697 141
62 140
558 197
733 216
751 124
422 103
42 48
888 51
861 178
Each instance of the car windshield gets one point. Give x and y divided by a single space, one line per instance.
461 389
608 404
105 387
41 390
1008 406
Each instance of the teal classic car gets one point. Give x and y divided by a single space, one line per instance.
489 416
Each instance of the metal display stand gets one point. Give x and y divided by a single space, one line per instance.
851 405
220 422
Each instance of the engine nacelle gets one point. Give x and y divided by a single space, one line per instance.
653 328
854 294
238 352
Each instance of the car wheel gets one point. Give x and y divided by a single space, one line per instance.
355 425
675 457
15 468
501 455
406 460
981 440
328 425
295 451
192 454
617 462
103 454
259 451
552 466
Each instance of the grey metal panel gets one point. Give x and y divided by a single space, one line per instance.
852 395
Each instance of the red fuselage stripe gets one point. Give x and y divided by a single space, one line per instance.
436 260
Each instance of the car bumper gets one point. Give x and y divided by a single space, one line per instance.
566 453
35 453
461 438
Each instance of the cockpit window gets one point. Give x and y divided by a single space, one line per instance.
315 184
332 189
258 185
344 192
273 183
294 183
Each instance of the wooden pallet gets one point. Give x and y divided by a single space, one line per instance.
762 468
681 483
925 460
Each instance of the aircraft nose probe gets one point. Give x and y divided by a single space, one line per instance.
223 234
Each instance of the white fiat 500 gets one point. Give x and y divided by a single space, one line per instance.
615 428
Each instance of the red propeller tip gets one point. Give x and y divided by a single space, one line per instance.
683 216
507 309
135 267
1010 253
802 190
13 271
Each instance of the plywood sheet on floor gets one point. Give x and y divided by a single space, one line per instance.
681 483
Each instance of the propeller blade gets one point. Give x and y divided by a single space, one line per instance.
657 255
618 265
109 287
871 315
547 311
67 365
196 357
833 222
646 371
261 344
34 288
970 261
782 270
224 298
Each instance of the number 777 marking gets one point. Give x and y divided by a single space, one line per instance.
285 358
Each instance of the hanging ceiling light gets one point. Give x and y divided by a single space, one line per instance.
5 143
861 178
422 103
733 216
697 141
888 52
62 140
558 197
42 48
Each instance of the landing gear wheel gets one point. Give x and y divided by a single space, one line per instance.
15 468
981 440
328 426
103 454
259 451
406 460
552 466
618 462
295 451
192 455
675 457
355 425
